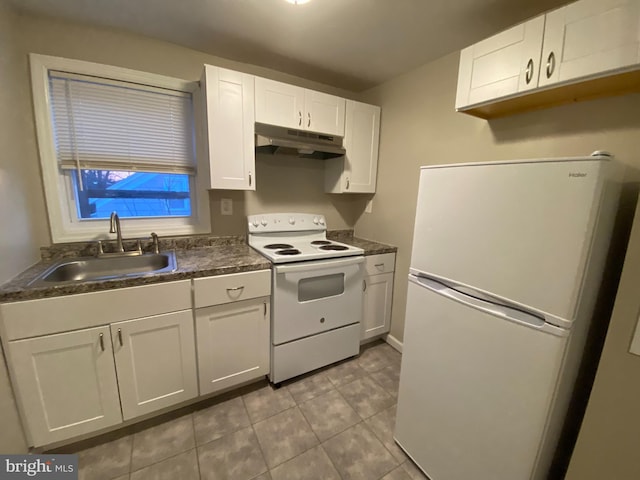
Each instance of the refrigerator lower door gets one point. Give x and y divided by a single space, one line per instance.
475 390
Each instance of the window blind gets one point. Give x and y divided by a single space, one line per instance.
103 124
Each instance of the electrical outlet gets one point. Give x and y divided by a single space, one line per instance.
369 207
226 206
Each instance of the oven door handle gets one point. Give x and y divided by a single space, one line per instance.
319 265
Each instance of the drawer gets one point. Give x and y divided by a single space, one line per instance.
375 264
231 288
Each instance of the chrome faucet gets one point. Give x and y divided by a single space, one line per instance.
114 227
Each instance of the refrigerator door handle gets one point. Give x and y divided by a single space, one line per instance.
501 311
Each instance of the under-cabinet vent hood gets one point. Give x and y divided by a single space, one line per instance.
288 141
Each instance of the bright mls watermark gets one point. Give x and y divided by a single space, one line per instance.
51 467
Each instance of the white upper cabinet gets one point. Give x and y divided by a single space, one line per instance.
324 113
356 172
279 104
568 48
230 144
590 37
295 107
505 64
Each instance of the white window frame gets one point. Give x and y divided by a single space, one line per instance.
61 207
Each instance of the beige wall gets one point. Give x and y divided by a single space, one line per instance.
420 127
608 443
283 183
17 248
20 191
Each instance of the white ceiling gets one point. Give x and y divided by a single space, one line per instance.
352 44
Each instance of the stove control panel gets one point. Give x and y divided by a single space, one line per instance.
285 222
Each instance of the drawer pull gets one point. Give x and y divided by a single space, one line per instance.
102 341
378 265
120 337
235 289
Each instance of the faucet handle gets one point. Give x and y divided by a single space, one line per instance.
138 247
156 246
99 249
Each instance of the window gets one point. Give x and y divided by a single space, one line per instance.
114 139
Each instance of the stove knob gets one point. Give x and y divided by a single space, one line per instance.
264 222
315 220
255 223
321 220
292 220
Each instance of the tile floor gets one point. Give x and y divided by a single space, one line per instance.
335 423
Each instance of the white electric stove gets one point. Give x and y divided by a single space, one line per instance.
317 283
295 237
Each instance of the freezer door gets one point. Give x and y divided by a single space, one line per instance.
475 390
519 231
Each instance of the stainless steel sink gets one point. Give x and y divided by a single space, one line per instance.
87 269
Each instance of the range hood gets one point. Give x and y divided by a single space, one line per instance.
288 141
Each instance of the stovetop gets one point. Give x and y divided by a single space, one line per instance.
295 237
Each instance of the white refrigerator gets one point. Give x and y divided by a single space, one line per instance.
506 263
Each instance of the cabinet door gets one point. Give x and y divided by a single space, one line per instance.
279 104
590 37
233 343
230 123
324 113
156 362
65 384
361 141
502 65
378 292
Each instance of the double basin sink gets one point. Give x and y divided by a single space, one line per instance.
107 267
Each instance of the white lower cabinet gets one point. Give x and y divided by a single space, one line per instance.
233 343
156 362
378 295
141 359
377 305
65 383
233 328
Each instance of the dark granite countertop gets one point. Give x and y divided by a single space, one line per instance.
202 256
370 247
202 261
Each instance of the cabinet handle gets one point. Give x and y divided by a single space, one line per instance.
120 337
265 309
347 184
249 178
529 75
299 118
102 341
235 289
309 122
364 285
551 64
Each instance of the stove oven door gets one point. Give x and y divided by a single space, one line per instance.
316 296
